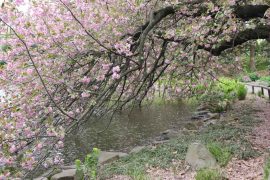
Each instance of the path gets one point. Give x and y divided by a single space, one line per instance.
252 169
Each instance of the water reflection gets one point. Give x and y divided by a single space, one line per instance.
127 129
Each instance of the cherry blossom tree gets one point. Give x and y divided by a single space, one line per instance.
67 60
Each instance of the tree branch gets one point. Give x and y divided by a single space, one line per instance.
260 32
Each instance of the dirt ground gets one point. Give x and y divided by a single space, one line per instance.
252 169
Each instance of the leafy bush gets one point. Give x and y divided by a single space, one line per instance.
254 76
215 101
208 174
219 97
266 170
241 92
227 86
221 154
265 79
88 169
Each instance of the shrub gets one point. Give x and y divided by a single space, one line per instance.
241 92
208 174
215 101
265 79
222 93
88 169
222 154
227 86
253 76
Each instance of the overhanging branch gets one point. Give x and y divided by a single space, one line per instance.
259 32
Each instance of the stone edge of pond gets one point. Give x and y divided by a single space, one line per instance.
202 119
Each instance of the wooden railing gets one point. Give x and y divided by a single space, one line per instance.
259 86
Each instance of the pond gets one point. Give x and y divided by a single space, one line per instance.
127 129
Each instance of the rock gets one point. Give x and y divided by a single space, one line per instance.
199 157
160 142
41 178
203 107
202 112
170 134
213 115
211 122
197 117
69 167
106 157
200 115
191 126
166 135
137 149
49 173
68 174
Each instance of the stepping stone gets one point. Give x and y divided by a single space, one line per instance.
68 174
106 157
137 149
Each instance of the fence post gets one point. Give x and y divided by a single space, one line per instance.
253 90
262 91
269 93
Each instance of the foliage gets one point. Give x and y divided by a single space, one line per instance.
215 101
228 86
208 174
241 91
88 169
266 169
222 93
253 76
265 79
222 154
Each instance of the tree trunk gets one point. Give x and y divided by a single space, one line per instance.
252 65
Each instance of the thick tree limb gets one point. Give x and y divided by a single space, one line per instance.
260 32
156 17
248 12
245 13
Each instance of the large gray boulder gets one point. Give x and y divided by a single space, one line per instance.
198 157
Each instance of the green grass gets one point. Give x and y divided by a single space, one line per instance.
161 156
241 92
208 174
266 170
221 153
224 140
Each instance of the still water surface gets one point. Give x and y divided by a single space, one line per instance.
127 129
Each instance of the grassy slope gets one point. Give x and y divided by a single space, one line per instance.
229 134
